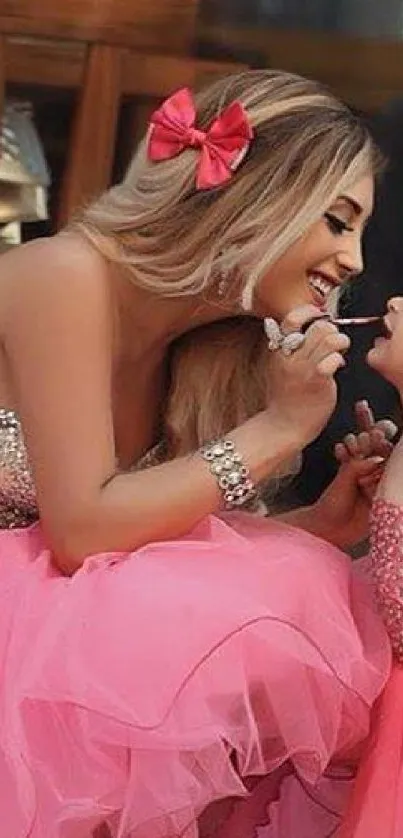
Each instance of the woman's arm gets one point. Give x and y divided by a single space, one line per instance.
57 325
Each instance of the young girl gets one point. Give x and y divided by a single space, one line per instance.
158 647
376 805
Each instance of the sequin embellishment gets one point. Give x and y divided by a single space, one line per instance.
387 568
18 507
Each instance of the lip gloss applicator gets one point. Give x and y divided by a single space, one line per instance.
355 321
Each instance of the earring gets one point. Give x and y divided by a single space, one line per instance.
222 286
226 270
246 300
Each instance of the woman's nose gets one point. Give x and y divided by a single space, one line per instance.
351 260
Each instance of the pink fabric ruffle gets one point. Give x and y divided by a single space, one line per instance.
152 685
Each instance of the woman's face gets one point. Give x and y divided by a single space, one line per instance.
326 257
386 354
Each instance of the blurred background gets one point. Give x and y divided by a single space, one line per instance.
79 79
89 72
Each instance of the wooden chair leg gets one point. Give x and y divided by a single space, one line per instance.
2 73
92 145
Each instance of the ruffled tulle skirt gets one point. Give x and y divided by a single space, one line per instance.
375 805
154 689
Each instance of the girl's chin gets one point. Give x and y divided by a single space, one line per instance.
375 355
377 358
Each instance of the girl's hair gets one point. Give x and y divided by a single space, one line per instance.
209 394
174 239
219 378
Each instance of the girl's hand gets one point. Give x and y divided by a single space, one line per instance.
345 505
372 444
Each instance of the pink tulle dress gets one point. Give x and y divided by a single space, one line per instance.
375 808
215 685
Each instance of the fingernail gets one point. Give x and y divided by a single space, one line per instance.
312 320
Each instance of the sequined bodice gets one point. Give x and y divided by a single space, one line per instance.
18 507
387 568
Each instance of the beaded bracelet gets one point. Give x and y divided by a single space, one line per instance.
230 472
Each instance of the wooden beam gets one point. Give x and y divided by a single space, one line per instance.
92 145
157 24
158 75
2 74
61 64
44 62
366 73
336 59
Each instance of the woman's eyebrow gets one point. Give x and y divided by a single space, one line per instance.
352 202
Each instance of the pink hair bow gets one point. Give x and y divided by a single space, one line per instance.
222 146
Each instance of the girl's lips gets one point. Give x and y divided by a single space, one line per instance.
387 328
379 341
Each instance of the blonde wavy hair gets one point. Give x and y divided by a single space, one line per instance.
208 393
174 240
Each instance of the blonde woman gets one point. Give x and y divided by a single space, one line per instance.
158 645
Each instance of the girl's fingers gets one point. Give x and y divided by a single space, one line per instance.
388 428
364 416
366 485
379 443
364 444
373 477
351 443
341 453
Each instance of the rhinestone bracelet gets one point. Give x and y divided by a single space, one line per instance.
230 472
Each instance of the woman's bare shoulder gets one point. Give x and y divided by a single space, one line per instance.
49 272
63 251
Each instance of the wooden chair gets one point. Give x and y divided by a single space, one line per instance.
2 71
92 144
104 50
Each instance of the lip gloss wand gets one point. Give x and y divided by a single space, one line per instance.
355 321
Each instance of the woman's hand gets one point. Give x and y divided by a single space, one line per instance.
302 389
344 507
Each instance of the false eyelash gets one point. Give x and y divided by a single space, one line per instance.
336 224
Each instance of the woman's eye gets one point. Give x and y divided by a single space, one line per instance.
336 225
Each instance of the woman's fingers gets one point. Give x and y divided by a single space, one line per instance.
329 365
299 317
323 339
324 345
